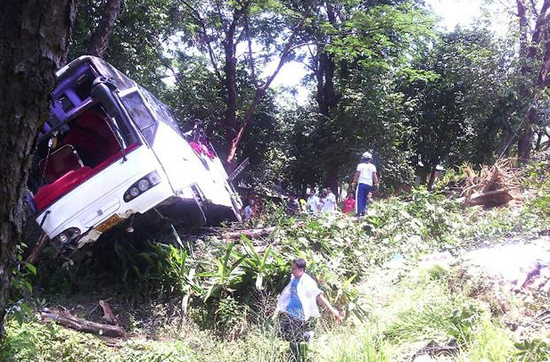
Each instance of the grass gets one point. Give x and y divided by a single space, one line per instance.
403 309
413 311
490 343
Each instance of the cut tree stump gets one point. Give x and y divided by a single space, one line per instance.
82 325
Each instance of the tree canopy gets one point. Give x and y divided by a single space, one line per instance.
381 76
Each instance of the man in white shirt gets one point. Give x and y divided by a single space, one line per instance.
312 204
297 305
366 180
329 202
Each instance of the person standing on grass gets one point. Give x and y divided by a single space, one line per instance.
328 202
297 306
312 204
366 180
349 204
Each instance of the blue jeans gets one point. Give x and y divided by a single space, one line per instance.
362 198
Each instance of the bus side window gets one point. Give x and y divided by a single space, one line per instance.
144 120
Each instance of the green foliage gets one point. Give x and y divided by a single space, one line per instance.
224 274
50 343
265 269
453 116
21 289
489 342
356 345
535 350
536 179
434 315
231 317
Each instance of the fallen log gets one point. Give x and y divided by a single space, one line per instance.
249 233
82 325
254 233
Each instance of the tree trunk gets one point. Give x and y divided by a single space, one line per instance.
102 33
230 70
433 171
33 43
525 142
528 53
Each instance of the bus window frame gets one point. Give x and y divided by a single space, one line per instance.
138 91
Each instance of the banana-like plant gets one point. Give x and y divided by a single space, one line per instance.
227 272
262 267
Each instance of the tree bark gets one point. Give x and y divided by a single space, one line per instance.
33 43
102 33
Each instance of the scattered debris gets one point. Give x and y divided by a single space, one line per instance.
434 349
249 233
493 186
438 259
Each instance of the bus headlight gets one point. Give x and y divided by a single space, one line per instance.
134 191
142 185
68 235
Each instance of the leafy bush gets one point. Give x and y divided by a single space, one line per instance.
51 343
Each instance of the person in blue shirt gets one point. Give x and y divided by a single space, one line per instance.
297 306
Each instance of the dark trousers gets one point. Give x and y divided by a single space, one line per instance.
362 198
294 331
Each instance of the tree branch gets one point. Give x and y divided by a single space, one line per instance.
260 91
197 16
251 58
540 25
102 33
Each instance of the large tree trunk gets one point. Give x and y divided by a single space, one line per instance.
525 142
102 33
528 53
33 43
230 72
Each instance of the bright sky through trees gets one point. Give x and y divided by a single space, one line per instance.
451 13
455 12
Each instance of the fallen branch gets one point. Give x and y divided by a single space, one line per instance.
37 250
108 315
82 325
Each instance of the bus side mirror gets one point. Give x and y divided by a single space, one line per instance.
102 91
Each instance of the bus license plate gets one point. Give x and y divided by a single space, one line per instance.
109 223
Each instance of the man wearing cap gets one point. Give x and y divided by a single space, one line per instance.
366 179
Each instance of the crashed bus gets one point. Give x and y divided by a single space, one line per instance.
110 151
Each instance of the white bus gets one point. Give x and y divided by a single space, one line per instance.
111 150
